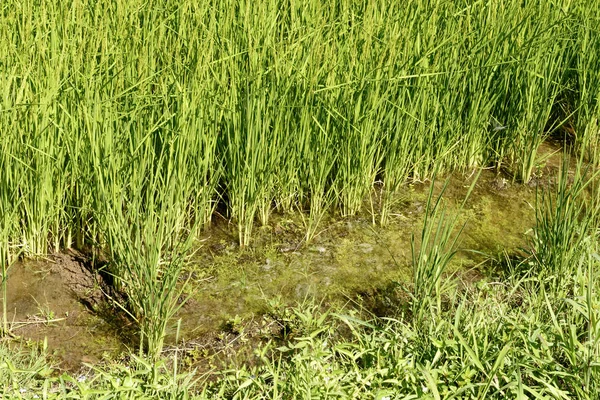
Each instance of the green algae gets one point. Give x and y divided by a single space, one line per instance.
351 258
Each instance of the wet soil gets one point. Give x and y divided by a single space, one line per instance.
350 261
61 301
352 258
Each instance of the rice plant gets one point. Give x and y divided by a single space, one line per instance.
588 79
395 101
435 250
565 221
431 255
7 254
320 157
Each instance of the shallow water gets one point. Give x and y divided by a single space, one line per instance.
351 260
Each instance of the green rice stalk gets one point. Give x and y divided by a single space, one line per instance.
565 217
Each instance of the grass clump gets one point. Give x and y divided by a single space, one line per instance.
566 218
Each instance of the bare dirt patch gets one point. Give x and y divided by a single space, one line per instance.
61 301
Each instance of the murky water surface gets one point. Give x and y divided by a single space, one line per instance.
350 259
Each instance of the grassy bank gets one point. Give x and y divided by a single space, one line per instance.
127 125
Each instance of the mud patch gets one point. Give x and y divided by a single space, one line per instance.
59 300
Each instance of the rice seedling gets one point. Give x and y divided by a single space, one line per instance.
429 260
588 79
8 255
398 160
286 73
260 91
565 219
438 243
147 226
318 167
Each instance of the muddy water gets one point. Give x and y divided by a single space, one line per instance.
350 260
